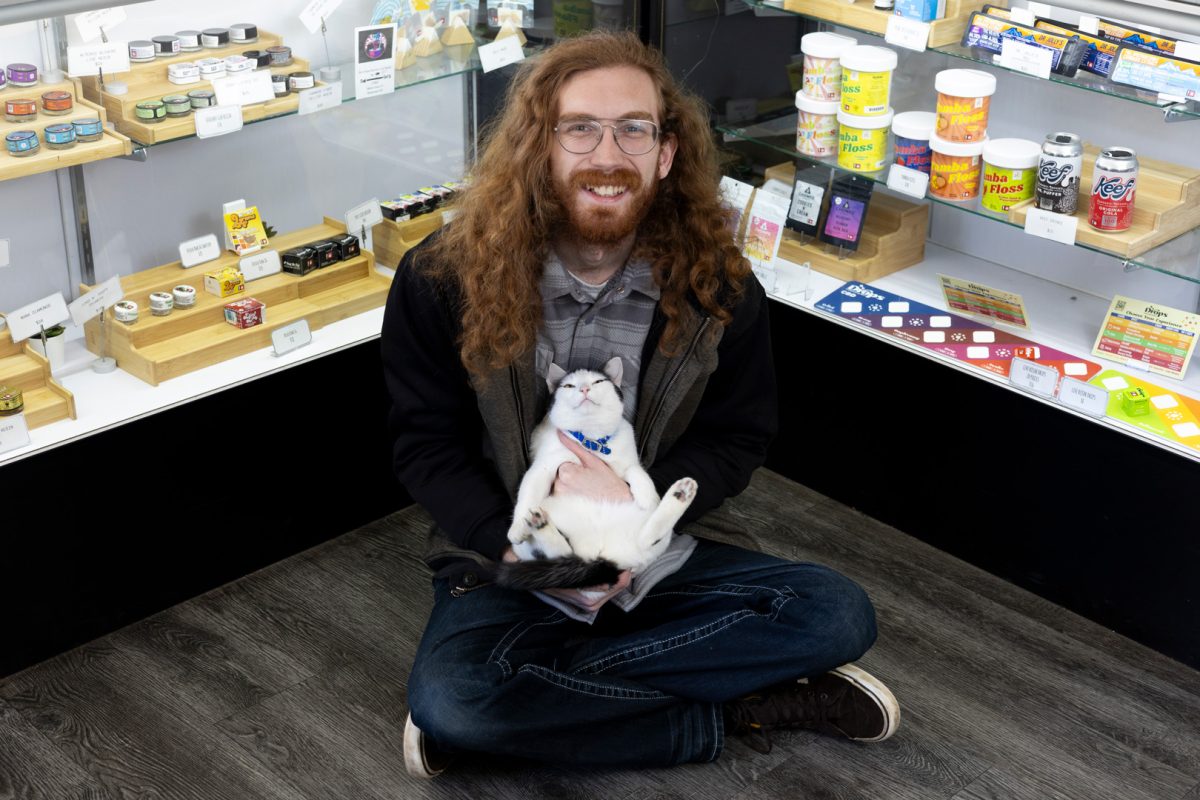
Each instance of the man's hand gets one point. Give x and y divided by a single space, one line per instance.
591 477
591 599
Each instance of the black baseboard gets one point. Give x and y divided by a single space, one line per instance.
1089 518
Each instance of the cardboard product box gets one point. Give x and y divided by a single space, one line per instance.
225 283
245 313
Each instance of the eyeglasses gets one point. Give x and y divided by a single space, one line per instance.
635 137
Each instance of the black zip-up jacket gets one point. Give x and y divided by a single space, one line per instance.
461 445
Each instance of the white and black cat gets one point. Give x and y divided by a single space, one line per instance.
567 541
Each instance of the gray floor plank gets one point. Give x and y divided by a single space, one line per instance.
33 769
1001 783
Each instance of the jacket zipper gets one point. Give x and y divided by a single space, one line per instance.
516 390
662 398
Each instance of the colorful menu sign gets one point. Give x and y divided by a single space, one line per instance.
1153 337
984 301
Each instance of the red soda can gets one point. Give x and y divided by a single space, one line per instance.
1113 186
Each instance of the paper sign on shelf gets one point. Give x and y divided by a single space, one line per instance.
199 250
92 24
1089 24
1028 58
244 89
95 301
320 98
1033 377
1048 225
260 265
907 32
30 319
290 337
89 59
218 120
501 53
907 180
316 11
14 432
374 60
1083 397
363 217
1187 50
1021 16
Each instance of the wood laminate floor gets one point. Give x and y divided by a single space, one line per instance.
290 684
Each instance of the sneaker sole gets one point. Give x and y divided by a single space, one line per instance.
414 752
873 688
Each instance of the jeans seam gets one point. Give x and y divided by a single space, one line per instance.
660 647
499 653
580 686
724 588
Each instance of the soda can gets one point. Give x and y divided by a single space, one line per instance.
1058 177
1114 183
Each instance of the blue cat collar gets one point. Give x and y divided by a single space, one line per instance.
598 445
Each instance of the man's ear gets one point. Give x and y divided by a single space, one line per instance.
554 376
666 154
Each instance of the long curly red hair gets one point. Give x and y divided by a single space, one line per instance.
496 247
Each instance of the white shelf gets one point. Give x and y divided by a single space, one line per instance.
1060 317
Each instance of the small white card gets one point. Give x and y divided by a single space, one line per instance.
5 258
500 54
290 337
806 203
260 265
30 319
95 301
244 88
1028 58
218 120
1089 24
14 432
1091 400
907 180
198 250
1033 377
906 32
374 61
320 98
92 24
1021 16
1187 50
316 11
1048 225
89 59
1043 10
364 215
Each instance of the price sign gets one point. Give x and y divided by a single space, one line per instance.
198 250
500 54
95 301
244 89
363 217
316 11
320 98
89 59
906 32
92 24
907 180
1048 225
290 337
1033 377
218 120
1089 24
260 265
1091 400
30 319
1028 58
14 432
1022 16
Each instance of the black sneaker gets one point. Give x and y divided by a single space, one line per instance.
847 701
422 758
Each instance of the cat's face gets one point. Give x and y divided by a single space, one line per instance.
587 401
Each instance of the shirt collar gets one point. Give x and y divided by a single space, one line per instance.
636 276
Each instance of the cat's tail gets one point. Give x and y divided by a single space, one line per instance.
569 572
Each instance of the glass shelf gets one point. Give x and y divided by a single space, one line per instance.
1180 257
1084 81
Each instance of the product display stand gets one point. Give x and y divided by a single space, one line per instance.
109 145
405 57
1166 205
157 348
24 368
427 43
864 16
148 81
394 239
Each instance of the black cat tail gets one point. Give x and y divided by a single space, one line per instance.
570 572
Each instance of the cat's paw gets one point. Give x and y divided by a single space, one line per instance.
536 520
683 490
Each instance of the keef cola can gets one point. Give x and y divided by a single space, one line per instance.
1113 185
1059 171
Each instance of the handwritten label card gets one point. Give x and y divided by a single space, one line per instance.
907 180
1048 225
320 98
89 59
92 24
907 32
500 54
30 319
290 337
95 301
316 11
244 89
260 265
14 432
1033 377
198 250
1083 397
218 120
1028 58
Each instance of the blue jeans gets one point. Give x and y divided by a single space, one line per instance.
499 671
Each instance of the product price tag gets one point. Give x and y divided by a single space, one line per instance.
1028 58
1042 10
1033 377
244 89
320 98
30 319
218 120
1089 24
906 32
198 250
92 24
1091 400
290 337
907 180
14 432
260 265
1187 50
95 301
364 215
1048 225
500 54
89 59
1022 16
316 11
806 203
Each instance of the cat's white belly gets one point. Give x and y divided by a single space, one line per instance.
598 529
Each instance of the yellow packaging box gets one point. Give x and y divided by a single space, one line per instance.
225 283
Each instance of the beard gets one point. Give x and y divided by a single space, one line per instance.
601 225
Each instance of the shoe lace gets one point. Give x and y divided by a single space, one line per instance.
793 706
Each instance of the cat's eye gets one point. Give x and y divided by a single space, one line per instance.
567 386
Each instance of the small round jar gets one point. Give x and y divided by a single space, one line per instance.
116 87
236 64
301 80
822 68
60 136
281 55
202 98
964 98
151 111
183 73
862 141
141 50
911 131
90 129
1009 172
816 126
211 68
261 58
184 296
955 168
161 303
12 401
20 109
213 38
867 79
22 143
243 33
57 103
22 75
279 83
189 41
178 105
125 311
166 46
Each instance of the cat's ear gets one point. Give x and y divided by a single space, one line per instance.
613 368
554 376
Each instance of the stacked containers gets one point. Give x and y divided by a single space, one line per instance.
964 99
912 131
817 100
865 112
1009 172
